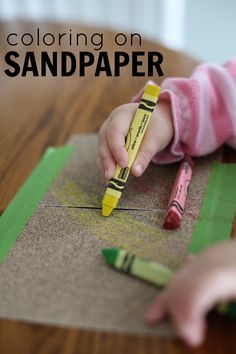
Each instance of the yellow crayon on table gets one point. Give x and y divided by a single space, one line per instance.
133 141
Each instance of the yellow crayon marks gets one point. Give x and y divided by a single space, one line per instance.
137 232
69 193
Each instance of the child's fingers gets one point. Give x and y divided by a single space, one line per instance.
149 147
190 258
116 143
117 129
191 295
112 136
158 135
188 308
151 144
106 161
157 311
196 288
114 131
192 331
189 324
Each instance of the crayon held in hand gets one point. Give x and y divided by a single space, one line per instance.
179 194
133 142
152 272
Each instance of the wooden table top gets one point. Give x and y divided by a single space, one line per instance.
36 112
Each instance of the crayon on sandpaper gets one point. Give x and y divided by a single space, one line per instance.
152 272
179 194
133 142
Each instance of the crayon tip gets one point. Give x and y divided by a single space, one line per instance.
172 221
106 210
109 203
110 254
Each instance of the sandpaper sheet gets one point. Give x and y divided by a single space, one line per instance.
80 183
55 272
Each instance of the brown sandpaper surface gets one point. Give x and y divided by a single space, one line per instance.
80 183
55 273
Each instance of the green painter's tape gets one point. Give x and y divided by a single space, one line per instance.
22 207
216 216
217 213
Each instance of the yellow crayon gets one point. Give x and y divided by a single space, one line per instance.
133 142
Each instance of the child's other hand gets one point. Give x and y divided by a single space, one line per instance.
196 288
114 130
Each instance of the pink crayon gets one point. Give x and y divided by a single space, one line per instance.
179 194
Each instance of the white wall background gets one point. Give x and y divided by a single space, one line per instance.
204 28
210 29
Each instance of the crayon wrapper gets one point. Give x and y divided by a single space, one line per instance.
180 189
152 272
135 136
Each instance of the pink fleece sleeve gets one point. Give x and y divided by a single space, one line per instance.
203 111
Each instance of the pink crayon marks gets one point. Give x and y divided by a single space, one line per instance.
179 194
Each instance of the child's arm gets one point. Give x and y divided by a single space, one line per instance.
203 111
194 116
198 287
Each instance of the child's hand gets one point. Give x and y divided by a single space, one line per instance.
196 288
114 130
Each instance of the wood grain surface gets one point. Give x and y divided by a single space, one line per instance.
38 112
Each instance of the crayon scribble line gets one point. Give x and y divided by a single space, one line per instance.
98 208
137 230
